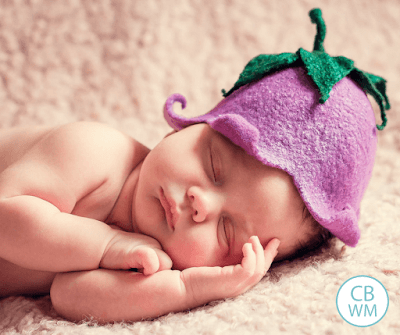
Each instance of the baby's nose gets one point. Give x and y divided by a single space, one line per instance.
202 202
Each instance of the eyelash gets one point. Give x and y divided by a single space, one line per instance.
215 173
224 226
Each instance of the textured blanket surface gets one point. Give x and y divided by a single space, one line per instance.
116 62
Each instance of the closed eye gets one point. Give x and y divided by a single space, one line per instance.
212 167
215 168
227 231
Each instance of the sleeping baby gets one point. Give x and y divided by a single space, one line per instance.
115 231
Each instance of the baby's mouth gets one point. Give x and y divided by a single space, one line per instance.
168 205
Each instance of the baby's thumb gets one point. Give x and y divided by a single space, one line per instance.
164 259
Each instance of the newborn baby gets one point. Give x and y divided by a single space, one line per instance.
195 200
115 231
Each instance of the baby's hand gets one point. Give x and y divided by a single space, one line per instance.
131 250
206 283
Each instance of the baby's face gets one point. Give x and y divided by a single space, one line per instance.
202 197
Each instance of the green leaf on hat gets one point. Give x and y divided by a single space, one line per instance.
259 66
325 70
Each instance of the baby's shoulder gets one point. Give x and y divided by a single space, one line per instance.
89 139
94 145
79 137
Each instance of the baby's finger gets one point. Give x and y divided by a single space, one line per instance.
270 252
249 258
147 259
259 253
164 259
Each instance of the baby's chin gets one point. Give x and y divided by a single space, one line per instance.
181 261
181 264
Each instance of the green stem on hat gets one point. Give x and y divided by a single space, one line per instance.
316 17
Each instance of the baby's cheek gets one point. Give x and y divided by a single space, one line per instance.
192 252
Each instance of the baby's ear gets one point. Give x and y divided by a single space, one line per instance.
170 133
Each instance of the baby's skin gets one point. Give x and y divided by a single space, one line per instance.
81 204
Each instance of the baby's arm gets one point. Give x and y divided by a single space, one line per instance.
78 167
107 295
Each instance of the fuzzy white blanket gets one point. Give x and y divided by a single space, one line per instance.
116 61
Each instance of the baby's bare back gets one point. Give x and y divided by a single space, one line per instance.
14 144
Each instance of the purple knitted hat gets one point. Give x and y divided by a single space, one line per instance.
325 140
